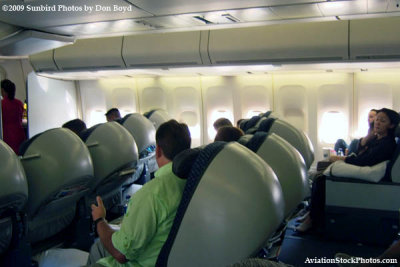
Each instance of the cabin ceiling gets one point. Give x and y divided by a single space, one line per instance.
101 18
175 15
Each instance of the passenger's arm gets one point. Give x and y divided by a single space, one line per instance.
104 230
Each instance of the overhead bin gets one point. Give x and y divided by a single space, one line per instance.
165 49
43 61
385 43
98 53
322 41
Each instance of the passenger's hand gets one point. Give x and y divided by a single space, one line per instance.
334 158
98 211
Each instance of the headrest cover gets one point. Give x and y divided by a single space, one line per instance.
257 140
245 139
265 126
84 135
249 123
183 162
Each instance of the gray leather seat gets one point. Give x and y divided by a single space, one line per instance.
295 137
231 204
59 170
13 193
157 117
286 162
114 154
144 133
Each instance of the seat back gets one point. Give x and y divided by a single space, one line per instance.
157 117
231 204
112 149
295 137
59 170
144 133
13 192
288 165
393 168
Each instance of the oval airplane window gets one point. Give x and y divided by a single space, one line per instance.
333 127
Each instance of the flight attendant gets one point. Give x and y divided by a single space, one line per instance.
11 110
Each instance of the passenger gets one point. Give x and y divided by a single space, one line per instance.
77 126
352 148
151 211
113 114
393 252
12 110
228 134
372 150
221 122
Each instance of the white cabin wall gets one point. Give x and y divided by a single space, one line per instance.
51 103
98 96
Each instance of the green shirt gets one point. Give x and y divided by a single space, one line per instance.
148 220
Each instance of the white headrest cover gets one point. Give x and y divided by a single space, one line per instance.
158 117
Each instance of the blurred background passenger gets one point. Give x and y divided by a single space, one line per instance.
113 114
12 110
352 148
228 134
222 122
77 126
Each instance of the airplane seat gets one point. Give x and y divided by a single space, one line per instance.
295 137
13 196
249 123
115 155
288 165
231 204
144 133
157 117
59 170
251 126
357 215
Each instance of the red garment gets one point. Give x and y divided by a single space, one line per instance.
13 132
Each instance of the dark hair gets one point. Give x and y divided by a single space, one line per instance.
222 122
228 134
113 111
77 126
9 88
173 137
394 118
375 110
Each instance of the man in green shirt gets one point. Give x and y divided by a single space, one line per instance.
151 211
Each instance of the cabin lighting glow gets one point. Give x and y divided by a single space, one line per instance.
333 127
214 116
253 113
96 117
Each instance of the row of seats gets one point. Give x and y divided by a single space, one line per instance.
268 122
58 168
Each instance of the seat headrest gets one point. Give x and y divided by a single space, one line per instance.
112 148
245 139
257 140
86 133
142 130
14 186
183 162
247 124
54 160
265 125
158 117
212 220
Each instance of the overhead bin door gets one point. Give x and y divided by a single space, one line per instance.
168 49
322 41
99 53
375 39
43 61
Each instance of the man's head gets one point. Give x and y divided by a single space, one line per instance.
221 122
8 89
172 137
77 126
228 134
113 114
